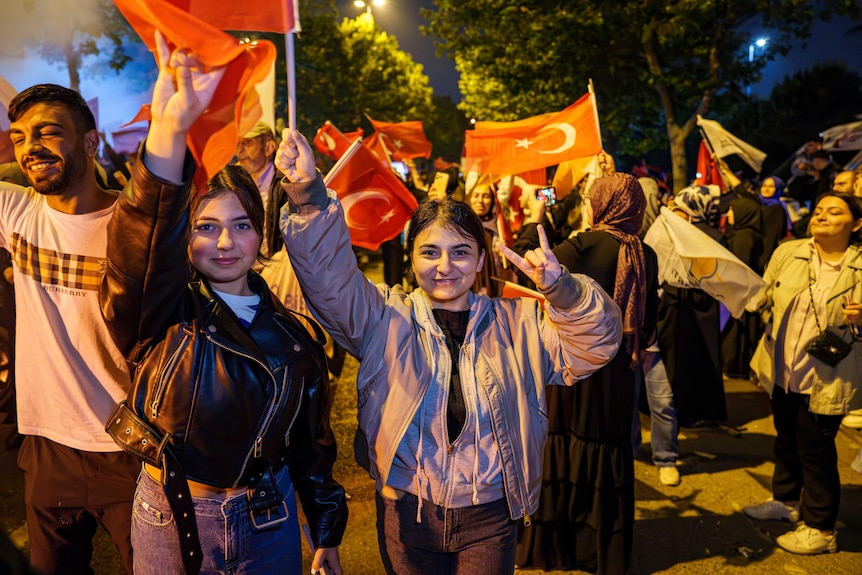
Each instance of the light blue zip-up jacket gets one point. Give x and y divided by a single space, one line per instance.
513 347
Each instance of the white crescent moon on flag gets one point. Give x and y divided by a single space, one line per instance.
330 143
349 202
568 131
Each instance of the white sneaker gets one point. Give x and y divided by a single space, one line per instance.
807 540
772 510
668 475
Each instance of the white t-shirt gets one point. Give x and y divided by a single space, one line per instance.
69 375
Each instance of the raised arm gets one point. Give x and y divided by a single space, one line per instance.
148 233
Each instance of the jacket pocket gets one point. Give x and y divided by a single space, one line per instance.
173 357
364 394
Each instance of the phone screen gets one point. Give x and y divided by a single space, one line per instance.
549 194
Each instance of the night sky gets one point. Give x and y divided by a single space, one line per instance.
829 41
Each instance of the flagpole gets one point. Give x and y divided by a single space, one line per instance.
289 63
596 111
342 161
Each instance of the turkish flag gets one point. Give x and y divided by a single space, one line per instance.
235 107
253 15
403 140
376 202
375 144
514 147
707 169
332 142
510 189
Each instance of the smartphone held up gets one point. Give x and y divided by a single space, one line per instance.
548 194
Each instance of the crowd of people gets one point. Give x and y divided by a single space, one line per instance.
500 432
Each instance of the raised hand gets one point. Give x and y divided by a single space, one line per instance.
184 88
294 158
540 264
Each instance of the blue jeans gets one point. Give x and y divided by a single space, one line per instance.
467 541
664 425
231 544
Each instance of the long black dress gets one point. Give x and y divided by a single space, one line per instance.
689 339
745 240
586 508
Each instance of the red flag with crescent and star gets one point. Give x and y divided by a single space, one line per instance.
376 202
540 141
235 106
332 142
403 140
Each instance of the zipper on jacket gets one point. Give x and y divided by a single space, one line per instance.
166 373
270 416
265 425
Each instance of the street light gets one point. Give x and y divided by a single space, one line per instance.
367 5
759 43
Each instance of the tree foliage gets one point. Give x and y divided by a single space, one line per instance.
802 105
655 64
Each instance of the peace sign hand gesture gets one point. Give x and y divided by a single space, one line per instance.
540 264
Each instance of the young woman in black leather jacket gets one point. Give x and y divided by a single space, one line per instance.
229 405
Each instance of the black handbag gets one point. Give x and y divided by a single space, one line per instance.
828 347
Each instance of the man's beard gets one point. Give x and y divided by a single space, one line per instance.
72 168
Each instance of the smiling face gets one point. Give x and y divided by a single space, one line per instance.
481 200
445 264
832 222
50 148
223 244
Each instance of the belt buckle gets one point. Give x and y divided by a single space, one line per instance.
269 522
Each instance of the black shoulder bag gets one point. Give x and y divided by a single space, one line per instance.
827 347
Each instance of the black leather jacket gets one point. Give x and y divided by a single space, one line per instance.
225 393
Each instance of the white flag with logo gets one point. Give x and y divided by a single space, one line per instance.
725 144
688 258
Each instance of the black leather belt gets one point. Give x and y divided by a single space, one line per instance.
267 507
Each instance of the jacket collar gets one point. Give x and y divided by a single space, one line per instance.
480 309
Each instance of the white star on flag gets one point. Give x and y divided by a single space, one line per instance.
523 143
389 215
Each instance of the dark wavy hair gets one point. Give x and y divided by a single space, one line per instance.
233 179
53 95
854 204
449 213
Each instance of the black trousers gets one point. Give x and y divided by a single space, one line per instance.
68 494
806 461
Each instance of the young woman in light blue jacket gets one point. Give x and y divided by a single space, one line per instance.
451 401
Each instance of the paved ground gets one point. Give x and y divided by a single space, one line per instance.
695 528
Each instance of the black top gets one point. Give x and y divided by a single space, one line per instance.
454 326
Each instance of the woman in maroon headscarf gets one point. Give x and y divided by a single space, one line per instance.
586 510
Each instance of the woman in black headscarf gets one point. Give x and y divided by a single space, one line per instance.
586 509
745 240
688 328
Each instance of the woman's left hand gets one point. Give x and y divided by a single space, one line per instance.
326 558
540 264
294 158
